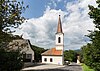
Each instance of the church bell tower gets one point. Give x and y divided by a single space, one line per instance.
59 36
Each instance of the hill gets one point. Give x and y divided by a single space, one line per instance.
37 51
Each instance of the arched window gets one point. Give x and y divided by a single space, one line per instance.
59 39
45 59
51 60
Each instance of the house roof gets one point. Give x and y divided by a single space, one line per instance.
59 28
19 44
53 52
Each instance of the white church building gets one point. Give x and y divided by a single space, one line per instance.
55 55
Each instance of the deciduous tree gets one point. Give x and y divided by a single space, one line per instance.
91 52
10 16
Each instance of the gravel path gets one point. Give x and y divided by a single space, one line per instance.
71 67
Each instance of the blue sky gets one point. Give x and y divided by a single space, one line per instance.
37 7
41 26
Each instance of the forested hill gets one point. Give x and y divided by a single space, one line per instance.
37 50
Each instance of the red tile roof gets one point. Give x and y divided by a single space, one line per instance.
53 51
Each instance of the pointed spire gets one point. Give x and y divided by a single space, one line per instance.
59 28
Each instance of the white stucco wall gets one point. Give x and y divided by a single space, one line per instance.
59 46
55 60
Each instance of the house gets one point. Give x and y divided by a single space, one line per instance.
55 55
24 46
78 59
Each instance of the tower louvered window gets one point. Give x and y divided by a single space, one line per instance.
59 39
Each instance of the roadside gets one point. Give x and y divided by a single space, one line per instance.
86 68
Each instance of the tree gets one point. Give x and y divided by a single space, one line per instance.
92 51
37 51
10 61
10 16
87 54
70 55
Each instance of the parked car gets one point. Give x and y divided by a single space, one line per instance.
67 62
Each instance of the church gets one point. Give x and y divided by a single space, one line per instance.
55 55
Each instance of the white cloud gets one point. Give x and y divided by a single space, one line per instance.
78 22
75 20
52 3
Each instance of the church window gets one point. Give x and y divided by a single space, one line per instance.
45 59
59 39
50 59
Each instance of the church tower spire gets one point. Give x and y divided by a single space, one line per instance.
59 28
59 36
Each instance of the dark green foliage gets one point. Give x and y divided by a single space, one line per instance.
87 52
95 37
10 13
10 16
91 52
10 61
70 55
37 51
91 56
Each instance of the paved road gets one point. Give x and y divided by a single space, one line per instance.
71 67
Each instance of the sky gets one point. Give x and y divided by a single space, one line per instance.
42 19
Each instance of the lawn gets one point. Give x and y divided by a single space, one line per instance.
86 68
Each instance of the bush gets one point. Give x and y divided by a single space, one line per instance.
10 61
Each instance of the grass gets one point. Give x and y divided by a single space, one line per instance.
86 68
